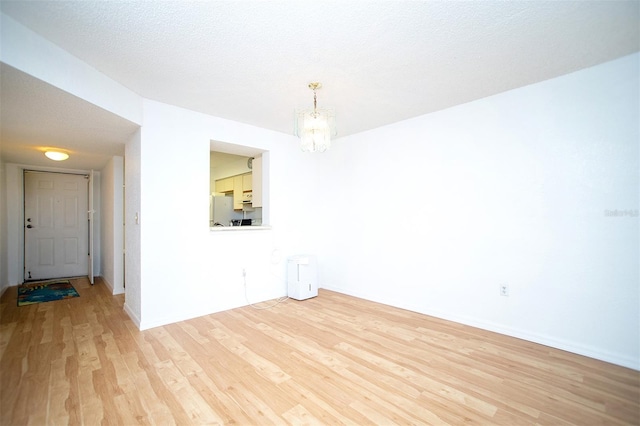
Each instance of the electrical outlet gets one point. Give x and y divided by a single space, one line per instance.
504 289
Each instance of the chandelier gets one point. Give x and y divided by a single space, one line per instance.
316 126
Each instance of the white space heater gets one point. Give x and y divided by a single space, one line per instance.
302 277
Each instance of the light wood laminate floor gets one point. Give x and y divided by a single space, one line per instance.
333 359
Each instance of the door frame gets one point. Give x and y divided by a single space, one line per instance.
14 221
14 209
89 211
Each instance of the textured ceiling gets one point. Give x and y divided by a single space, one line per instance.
35 115
379 61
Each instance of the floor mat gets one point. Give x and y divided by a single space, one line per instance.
31 293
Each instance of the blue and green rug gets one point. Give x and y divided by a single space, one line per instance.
28 294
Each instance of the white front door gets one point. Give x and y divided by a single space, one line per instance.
56 225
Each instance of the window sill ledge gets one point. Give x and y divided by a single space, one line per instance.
239 228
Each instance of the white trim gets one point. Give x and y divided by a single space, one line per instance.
132 315
90 214
564 345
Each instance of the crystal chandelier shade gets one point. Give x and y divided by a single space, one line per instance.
315 127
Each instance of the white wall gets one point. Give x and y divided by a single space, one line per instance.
97 224
4 278
132 196
231 167
15 222
112 211
185 269
508 189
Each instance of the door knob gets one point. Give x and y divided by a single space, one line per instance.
29 226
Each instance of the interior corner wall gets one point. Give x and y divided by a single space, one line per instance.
97 224
132 234
535 188
15 224
112 247
4 277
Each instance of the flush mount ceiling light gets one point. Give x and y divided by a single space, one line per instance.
56 155
316 126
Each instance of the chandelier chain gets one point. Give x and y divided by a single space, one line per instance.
314 102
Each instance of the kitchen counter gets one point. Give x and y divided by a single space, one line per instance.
238 228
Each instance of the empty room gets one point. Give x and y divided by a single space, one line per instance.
320 212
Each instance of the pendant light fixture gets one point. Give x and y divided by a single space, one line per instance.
315 127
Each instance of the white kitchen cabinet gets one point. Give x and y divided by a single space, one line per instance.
247 180
224 185
237 192
237 185
257 182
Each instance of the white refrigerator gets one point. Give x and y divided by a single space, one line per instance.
221 210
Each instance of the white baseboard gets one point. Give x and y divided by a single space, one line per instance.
106 281
132 315
111 286
159 322
3 290
569 346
